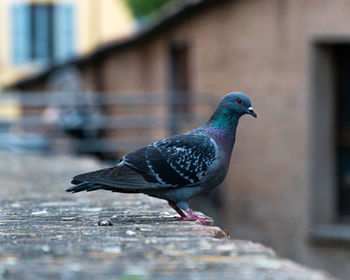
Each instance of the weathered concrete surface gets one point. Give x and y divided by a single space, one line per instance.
47 233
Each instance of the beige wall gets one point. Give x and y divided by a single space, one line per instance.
101 21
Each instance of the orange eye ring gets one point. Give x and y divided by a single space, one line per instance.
239 101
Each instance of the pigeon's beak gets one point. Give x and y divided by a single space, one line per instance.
250 111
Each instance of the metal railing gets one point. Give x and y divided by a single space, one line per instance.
96 122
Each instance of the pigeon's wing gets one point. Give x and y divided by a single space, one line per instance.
181 160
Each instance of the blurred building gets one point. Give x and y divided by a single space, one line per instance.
35 34
288 186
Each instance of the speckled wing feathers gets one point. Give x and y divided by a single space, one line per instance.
188 156
179 160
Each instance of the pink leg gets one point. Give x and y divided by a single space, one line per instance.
195 217
178 210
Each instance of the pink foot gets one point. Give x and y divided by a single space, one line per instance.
195 217
183 217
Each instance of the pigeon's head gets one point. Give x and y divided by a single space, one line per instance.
237 103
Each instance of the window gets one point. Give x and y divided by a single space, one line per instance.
179 83
330 141
342 57
41 32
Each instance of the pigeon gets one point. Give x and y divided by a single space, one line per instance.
179 167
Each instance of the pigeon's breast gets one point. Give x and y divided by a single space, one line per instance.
217 170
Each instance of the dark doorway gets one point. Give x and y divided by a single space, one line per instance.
342 79
179 84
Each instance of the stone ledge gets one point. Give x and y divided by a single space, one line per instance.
46 233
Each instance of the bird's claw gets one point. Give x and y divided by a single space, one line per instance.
202 221
183 217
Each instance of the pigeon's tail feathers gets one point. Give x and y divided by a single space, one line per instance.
89 187
84 186
120 178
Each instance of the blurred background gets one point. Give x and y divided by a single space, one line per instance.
102 78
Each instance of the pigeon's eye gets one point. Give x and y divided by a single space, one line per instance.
239 101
